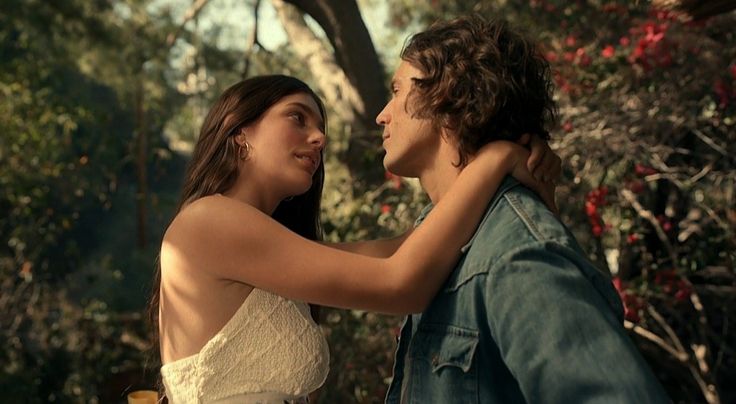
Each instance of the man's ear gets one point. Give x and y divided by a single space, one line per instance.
524 140
448 136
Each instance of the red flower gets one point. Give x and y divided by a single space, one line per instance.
624 41
632 304
617 283
608 52
597 230
643 170
567 126
585 60
612 8
395 179
636 186
664 277
551 56
566 88
630 301
722 91
385 208
632 238
590 208
682 295
570 41
631 314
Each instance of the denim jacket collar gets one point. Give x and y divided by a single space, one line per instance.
507 184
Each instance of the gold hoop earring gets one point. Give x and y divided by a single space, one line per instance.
244 150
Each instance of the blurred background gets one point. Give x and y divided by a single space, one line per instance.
101 101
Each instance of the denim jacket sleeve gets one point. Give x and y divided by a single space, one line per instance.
556 321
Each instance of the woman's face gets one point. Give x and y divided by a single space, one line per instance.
286 146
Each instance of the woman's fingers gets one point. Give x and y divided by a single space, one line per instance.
538 150
550 168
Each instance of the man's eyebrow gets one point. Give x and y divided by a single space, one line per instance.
317 117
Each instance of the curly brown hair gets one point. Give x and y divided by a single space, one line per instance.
483 81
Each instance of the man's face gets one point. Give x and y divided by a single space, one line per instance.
410 143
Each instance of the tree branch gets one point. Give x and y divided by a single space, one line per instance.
649 216
252 39
189 15
657 340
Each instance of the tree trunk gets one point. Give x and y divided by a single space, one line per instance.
354 50
141 145
351 78
697 9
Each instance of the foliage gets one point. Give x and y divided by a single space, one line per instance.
65 155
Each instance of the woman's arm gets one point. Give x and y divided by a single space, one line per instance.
381 248
235 241
543 163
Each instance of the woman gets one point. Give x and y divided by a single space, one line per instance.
239 258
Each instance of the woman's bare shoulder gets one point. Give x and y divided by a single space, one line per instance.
210 214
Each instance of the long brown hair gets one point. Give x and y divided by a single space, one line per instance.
213 167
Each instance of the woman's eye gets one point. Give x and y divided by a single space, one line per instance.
297 116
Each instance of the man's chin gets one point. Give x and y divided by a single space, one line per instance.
390 166
397 170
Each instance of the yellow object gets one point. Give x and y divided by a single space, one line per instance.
143 397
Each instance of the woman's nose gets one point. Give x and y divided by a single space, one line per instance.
318 138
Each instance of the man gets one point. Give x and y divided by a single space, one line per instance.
524 317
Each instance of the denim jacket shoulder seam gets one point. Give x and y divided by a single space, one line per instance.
524 216
502 192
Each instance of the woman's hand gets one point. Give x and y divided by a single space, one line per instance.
543 162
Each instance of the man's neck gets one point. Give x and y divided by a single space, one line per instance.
437 179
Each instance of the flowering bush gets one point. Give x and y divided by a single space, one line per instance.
647 105
647 108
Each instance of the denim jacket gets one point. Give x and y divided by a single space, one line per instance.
524 317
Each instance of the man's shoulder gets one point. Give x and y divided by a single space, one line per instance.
517 217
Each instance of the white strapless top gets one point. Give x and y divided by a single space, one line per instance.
270 345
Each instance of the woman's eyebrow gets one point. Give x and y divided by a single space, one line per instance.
316 116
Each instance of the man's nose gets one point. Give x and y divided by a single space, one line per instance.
383 117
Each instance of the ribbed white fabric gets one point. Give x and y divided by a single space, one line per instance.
270 345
